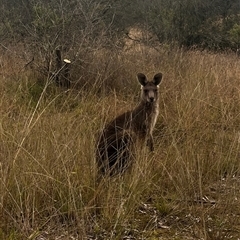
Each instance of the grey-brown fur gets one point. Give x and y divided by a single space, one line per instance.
116 142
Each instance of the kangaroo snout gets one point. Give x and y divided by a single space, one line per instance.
150 95
151 99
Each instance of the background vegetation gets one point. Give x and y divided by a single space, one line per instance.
211 24
188 188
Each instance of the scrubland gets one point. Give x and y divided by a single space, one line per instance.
188 188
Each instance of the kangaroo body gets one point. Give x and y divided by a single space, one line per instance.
116 142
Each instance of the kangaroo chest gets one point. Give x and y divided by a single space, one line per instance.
151 119
144 121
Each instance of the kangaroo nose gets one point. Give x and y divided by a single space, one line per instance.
151 99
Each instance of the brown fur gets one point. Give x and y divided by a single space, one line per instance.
115 144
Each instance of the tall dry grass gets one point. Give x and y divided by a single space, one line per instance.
187 189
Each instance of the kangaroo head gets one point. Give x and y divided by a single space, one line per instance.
149 88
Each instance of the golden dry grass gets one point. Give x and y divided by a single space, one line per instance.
187 189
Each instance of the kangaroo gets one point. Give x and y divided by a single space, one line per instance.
116 141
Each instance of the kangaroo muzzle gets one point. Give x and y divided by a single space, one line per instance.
151 96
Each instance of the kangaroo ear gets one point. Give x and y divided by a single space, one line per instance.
157 78
142 79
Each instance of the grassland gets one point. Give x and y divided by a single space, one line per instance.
189 188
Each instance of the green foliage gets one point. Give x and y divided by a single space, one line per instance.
79 25
234 33
45 19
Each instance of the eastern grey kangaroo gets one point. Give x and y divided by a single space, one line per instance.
116 141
